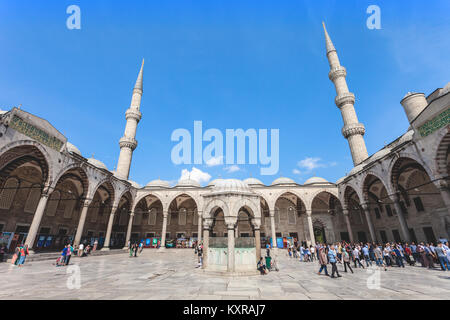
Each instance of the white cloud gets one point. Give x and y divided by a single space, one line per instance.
196 175
214 161
310 163
232 169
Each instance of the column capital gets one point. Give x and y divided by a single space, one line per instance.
86 202
365 206
207 223
165 213
114 209
272 213
345 211
131 213
256 222
394 197
309 213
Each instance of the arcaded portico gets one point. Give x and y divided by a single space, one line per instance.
50 194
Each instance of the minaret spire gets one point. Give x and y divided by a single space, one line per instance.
353 131
133 115
328 42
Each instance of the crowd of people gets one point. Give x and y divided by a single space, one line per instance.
387 255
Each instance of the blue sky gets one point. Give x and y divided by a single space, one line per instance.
231 64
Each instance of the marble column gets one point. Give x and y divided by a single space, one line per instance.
206 226
366 209
199 230
310 227
230 255
445 194
256 222
32 232
130 226
82 221
401 218
164 229
272 226
109 230
349 226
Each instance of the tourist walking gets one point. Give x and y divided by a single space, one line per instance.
442 256
365 251
346 259
323 261
356 258
68 254
332 258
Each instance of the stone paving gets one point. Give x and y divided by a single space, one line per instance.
172 275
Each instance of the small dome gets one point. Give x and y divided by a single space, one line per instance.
158 184
188 183
406 137
135 184
283 181
339 181
380 154
72 149
231 186
97 163
315 180
356 169
445 89
253 182
3 112
213 182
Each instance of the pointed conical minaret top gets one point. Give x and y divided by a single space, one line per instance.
329 44
140 80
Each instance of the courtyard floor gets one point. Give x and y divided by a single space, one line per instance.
172 275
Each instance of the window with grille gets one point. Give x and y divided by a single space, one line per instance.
418 204
94 213
52 204
182 217
68 210
33 199
291 215
8 193
388 210
152 217
377 213
195 219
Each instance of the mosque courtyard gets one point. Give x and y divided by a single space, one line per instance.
173 275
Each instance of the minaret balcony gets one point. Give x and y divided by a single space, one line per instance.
353 129
337 72
126 142
133 114
345 98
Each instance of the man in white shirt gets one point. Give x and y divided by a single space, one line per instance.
80 249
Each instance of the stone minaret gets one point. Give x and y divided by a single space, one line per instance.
353 131
128 142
